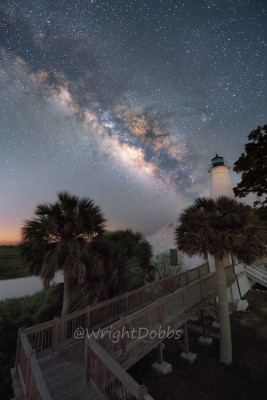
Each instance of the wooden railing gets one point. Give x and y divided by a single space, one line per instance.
50 335
120 339
120 336
31 377
110 378
258 273
146 307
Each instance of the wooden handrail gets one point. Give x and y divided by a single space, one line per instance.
256 272
139 391
156 303
52 334
179 302
42 326
116 369
148 308
25 343
33 380
110 301
39 379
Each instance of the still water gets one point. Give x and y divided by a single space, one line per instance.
23 286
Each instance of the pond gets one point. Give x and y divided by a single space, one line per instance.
20 287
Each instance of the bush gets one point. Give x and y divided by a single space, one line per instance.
17 313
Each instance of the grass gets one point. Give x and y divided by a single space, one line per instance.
207 378
10 266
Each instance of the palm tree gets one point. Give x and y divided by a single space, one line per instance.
59 239
129 260
125 266
222 227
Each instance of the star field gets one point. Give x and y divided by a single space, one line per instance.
125 102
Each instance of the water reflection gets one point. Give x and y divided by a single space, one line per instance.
23 286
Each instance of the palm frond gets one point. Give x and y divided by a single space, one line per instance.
59 236
220 227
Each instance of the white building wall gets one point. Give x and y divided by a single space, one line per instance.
244 283
164 240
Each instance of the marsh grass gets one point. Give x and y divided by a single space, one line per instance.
10 265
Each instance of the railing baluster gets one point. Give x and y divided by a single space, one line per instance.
55 334
126 296
110 378
18 348
110 310
150 315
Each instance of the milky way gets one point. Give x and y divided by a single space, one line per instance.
125 102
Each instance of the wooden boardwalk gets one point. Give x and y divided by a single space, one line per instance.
142 347
52 364
64 374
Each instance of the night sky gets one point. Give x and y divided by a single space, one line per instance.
125 102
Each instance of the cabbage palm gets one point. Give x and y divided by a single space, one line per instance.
125 265
59 239
221 227
130 259
126 259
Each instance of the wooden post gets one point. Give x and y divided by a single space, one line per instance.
142 392
187 278
28 374
18 349
186 342
185 298
173 285
204 329
201 282
27 377
55 334
123 338
161 346
88 317
160 311
86 359
126 297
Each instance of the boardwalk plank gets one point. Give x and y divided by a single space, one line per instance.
63 370
64 374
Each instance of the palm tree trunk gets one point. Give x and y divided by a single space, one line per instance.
225 328
66 295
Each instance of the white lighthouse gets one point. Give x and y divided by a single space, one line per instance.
221 184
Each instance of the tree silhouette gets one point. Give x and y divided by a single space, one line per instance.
221 227
253 166
60 238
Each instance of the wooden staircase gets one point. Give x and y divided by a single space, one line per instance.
257 274
52 364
